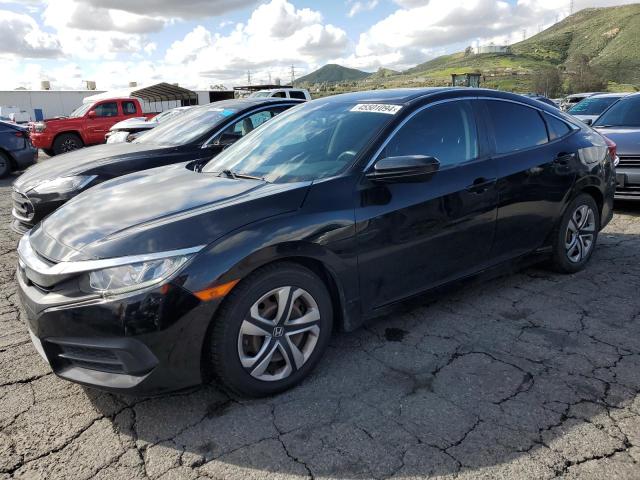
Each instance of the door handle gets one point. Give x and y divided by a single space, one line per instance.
481 185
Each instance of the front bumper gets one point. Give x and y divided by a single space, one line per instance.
628 183
42 140
145 342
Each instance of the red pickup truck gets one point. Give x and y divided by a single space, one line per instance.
86 125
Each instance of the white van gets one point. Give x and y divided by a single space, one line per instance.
300 93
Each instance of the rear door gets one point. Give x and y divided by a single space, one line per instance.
416 235
535 174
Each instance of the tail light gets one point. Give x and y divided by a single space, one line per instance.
20 134
613 151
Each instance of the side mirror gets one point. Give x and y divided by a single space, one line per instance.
406 168
92 114
588 121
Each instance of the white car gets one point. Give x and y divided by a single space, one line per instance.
299 93
131 128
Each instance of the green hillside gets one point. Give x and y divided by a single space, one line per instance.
332 73
608 37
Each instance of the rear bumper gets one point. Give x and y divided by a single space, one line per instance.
146 342
26 157
628 183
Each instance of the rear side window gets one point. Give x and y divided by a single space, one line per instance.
516 127
557 128
447 132
128 108
297 94
279 95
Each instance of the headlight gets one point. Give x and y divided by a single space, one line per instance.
39 127
64 184
125 278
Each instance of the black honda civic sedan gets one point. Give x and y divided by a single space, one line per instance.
196 135
325 217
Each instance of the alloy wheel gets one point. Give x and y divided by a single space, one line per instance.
279 333
69 145
580 233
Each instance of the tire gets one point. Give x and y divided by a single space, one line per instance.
5 165
67 142
254 362
576 235
49 152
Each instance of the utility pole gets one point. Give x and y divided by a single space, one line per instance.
571 6
249 77
293 74
524 34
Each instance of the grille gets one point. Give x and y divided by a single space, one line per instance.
22 206
629 161
91 358
628 191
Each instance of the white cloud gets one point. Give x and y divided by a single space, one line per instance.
21 36
186 9
276 36
357 7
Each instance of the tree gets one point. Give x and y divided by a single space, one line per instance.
468 51
547 82
586 78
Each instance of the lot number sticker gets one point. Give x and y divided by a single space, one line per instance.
377 108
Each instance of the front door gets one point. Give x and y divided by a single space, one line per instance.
416 235
98 126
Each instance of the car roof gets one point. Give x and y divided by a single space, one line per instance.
609 95
404 96
249 102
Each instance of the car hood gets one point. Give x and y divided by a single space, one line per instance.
162 209
136 122
626 139
82 161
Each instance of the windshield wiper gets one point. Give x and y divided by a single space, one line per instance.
235 175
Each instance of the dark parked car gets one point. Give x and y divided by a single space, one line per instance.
589 109
325 217
197 135
16 150
621 123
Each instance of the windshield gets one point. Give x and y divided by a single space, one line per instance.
592 105
313 141
625 113
81 110
185 128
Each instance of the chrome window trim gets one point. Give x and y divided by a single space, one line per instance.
245 115
47 275
409 117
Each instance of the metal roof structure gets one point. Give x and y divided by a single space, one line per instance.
158 92
255 88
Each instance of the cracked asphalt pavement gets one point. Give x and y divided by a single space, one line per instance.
534 375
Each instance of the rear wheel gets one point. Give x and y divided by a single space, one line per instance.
49 152
271 330
576 236
67 142
5 165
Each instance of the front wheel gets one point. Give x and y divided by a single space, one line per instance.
67 142
271 330
576 236
5 165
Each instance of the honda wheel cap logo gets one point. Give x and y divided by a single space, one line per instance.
278 331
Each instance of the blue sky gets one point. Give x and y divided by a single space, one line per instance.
200 43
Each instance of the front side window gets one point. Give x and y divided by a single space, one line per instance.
516 127
446 132
308 142
279 95
109 109
625 113
129 108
